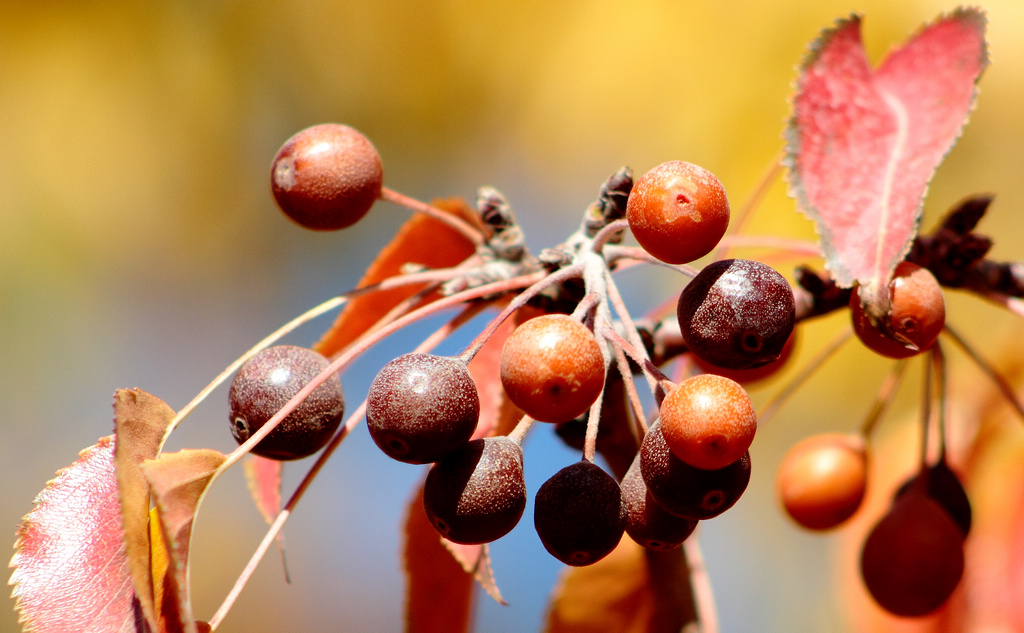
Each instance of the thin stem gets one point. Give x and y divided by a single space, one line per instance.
305 317
619 306
615 252
773 405
742 217
795 247
353 420
703 596
607 233
1005 388
631 393
467 230
518 434
939 361
926 414
884 397
354 350
543 280
640 359
593 422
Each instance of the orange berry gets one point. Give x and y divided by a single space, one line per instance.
917 314
708 421
822 479
552 368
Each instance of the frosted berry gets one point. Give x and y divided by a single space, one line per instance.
266 383
916 317
678 212
822 479
646 522
708 421
477 494
579 515
421 407
326 177
737 313
685 490
552 368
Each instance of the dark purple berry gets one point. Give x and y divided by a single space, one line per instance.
646 522
579 515
736 313
266 383
943 486
477 494
688 491
421 407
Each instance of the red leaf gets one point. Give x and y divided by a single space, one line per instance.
439 594
70 569
498 416
863 145
421 240
264 478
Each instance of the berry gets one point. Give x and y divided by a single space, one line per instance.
552 368
822 479
266 383
917 314
944 487
684 490
754 374
678 212
326 177
708 421
736 313
421 407
646 522
913 558
477 494
579 515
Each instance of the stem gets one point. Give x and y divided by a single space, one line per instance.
1001 383
645 364
796 247
543 281
353 351
467 230
619 306
593 421
741 217
773 405
353 420
607 233
883 398
518 434
631 393
615 252
926 414
939 360
305 317
703 597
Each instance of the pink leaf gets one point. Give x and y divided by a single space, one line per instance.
863 145
70 570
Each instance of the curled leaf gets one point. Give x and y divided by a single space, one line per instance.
179 482
141 422
863 144
70 569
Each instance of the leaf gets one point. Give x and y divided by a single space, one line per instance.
439 594
862 145
476 560
70 569
178 482
141 422
629 591
264 478
421 240
497 413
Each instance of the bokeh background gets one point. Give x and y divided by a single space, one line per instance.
139 245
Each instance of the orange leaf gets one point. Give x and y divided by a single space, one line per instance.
497 413
178 482
439 594
264 478
141 422
70 569
629 591
421 240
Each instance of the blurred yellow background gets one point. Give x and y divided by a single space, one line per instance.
139 245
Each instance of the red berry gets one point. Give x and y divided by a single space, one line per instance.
822 479
913 558
708 421
552 368
678 212
326 177
917 314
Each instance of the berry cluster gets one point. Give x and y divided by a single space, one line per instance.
575 343
692 464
